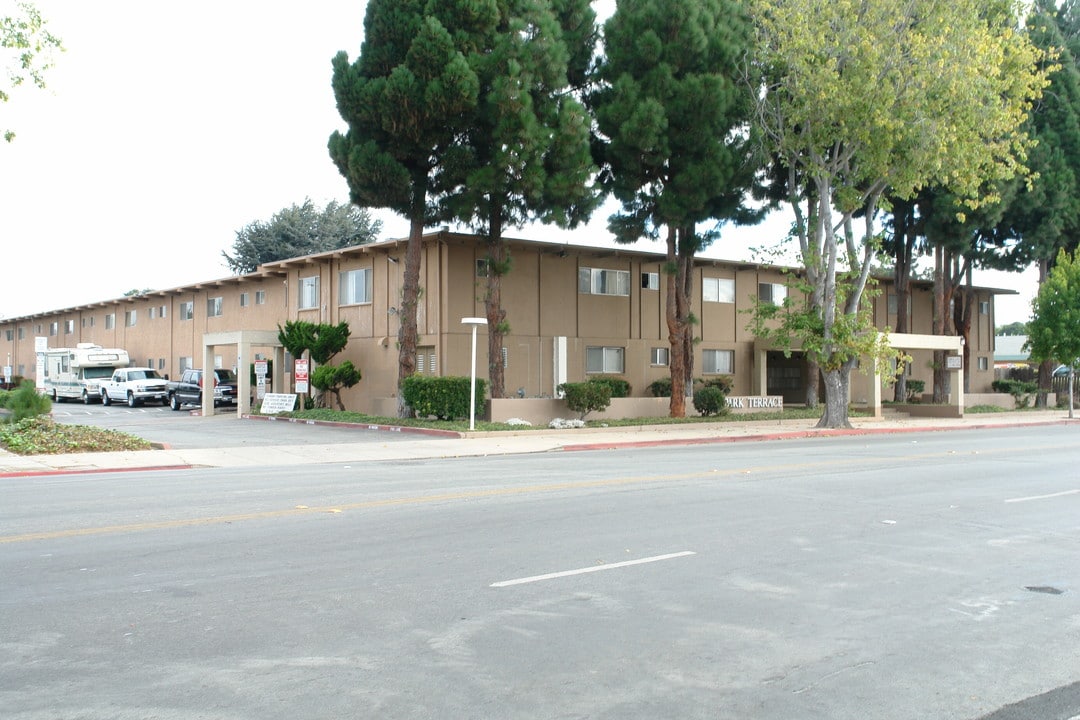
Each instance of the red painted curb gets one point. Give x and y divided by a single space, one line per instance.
91 471
797 434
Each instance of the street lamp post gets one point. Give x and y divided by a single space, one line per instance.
474 321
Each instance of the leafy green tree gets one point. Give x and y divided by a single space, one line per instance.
1054 330
673 110
526 155
333 378
321 342
849 87
406 99
1014 328
27 51
300 230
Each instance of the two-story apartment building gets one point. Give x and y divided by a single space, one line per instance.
573 311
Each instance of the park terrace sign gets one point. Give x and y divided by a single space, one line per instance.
749 403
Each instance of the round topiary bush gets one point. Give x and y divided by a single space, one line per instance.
710 401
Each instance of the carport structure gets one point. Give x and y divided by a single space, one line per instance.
244 341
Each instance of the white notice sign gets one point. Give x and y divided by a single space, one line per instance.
278 402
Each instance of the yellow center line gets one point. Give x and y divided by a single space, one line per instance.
831 463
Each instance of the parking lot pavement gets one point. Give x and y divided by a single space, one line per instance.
186 440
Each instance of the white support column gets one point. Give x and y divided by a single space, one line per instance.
208 380
243 377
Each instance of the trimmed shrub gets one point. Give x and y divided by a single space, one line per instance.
710 400
445 398
661 387
914 389
586 397
723 382
1020 390
25 402
332 378
620 388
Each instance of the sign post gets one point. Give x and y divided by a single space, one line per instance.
300 376
260 379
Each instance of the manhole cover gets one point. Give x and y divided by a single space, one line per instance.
1044 589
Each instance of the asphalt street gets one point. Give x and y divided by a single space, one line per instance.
911 576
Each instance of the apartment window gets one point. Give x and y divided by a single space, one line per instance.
650 281
218 362
153 315
354 287
9 334
984 363
244 300
83 324
129 318
772 293
163 311
984 307
718 290
260 297
482 267
22 369
22 333
160 364
718 362
604 359
54 328
69 327
213 306
894 303
309 292
425 360
91 321
185 364
596 281
37 329
659 356
187 310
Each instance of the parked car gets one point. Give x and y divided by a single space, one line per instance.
134 385
189 388
1061 371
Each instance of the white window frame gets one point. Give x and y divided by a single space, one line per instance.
215 306
717 362
54 328
110 321
185 363
354 287
602 281
984 362
660 356
69 327
130 318
308 293
605 360
483 267
260 297
984 307
245 299
650 281
718 290
772 293
187 310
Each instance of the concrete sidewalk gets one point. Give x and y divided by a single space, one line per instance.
498 443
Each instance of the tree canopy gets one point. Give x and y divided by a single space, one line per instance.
405 99
1054 329
26 51
865 97
300 230
525 154
673 111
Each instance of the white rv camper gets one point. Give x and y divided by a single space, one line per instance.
77 373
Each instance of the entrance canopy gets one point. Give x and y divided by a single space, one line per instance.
902 341
244 340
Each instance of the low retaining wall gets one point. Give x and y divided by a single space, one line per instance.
541 411
1001 400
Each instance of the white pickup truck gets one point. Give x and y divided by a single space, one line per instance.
135 385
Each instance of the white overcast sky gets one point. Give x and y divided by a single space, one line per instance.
167 127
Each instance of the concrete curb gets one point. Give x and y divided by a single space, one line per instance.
364 426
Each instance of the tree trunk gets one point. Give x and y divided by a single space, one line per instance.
410 292
905 249
813 383
1046 367
496 315
836 405
676 340
686 292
